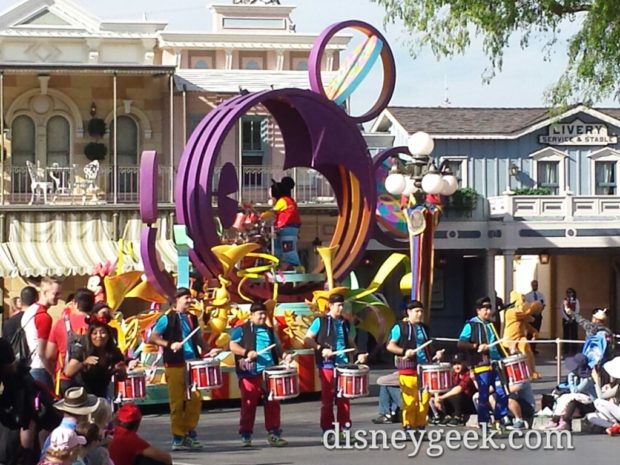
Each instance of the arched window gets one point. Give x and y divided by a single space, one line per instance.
22 140
252 64
126 142
127 155
201 64
302 66
58 141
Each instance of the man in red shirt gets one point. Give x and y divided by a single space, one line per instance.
127 448
72 321
37 324
456 405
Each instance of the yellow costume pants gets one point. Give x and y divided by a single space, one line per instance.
415 404
184 414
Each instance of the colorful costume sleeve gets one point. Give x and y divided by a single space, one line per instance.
465 333
161 325
395 333
236 335
315 326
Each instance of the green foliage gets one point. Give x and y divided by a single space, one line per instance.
95 151
463 199
532 191
448 26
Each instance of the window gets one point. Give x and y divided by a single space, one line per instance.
605 178
604 171
548 175
252 60
58 141
253 136
301 66
22 140
458 166
202 60
127 154
251 64
548 169
201 64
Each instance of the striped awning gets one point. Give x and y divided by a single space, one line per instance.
60 258
8 268
68 244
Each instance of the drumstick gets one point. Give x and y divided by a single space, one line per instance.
189 336
421 347
343 351
495 343
262 351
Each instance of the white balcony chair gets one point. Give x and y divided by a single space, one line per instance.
89 182
38 182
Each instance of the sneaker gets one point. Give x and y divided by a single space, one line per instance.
276 441
382 420
551 424
246 440
178 443
613 430
445 420
562 426
456 421
192 443
519 425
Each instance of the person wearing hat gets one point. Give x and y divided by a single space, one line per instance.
481 342
287 221
250 342
455 405
581 395
63 447
127 447
75 407
328 336
597 335
405 337
169 332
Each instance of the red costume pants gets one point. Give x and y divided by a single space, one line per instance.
251 392
328 396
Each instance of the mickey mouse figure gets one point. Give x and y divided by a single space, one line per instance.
287 222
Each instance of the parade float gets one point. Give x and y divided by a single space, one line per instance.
225 249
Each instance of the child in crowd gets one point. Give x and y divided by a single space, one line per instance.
64 446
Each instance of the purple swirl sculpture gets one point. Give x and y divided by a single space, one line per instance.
317 134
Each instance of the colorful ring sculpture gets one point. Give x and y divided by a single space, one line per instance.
317 134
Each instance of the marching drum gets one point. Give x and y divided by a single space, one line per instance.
133 387
352 380
283 382
516 368
436 377
403 363
204 374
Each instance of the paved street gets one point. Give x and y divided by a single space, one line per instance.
218 428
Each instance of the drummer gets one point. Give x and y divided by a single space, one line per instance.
329 335
406 339
251 344
477 338
169 332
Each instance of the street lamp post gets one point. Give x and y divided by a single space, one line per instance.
421 185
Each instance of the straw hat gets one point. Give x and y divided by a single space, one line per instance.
600 314
78 402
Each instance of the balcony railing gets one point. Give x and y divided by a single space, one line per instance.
566 207
311 187
67 186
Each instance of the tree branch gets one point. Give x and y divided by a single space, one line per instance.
560 10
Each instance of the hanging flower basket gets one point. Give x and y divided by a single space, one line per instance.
95 151
96 127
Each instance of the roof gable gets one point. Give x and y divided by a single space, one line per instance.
45 18
48 14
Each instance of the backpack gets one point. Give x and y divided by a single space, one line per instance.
73 338
19 342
